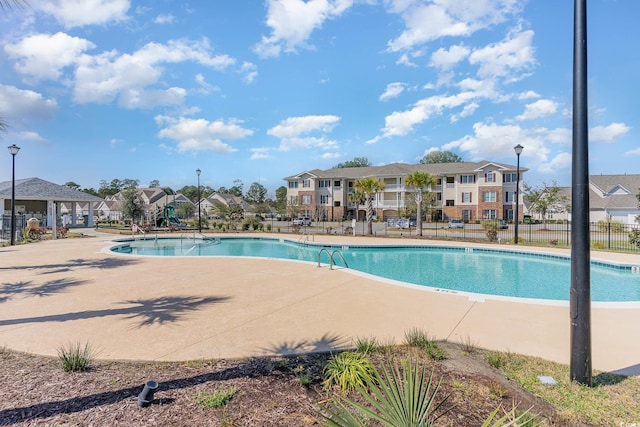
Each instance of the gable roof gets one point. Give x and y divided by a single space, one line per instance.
402 169
39 189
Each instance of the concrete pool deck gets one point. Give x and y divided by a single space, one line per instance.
176 308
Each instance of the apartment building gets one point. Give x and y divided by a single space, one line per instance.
465 190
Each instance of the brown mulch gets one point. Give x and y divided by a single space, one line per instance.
35 391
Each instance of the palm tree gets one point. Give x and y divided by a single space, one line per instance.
6 4
421 181
369 187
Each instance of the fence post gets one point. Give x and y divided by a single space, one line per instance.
608 234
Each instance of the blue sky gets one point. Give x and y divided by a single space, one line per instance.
259 90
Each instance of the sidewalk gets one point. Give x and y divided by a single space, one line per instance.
162 308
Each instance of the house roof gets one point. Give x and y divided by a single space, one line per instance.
399 169
39 189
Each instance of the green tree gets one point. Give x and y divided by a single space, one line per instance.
154 183
132 203
190 192
256 193
281 199
185 210
440 157
421 181
546 199
72 185
357 162
369 187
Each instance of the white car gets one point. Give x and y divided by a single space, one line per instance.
303 220
455 223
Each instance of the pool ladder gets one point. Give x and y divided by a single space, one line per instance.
331 260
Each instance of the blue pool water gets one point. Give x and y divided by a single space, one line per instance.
476 270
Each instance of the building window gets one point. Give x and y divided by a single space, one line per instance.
306 199
510 177
293 200
293 184
336 204
489 214
439 197
489 196
324 183
468 179
324 199
306 183
451 203
509 196
336 183
490 176
510 215
466 215
466 197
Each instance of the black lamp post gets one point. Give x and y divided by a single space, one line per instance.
518 148
13 149
198 171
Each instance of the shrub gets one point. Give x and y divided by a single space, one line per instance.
492 235
349 370
496 359
216 399
75 357
553 242
367 345
634 237
614 226
395 396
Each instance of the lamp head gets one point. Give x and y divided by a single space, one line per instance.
518 149
13 149
198 171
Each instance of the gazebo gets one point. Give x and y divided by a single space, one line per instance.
43 200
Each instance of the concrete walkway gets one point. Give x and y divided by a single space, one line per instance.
154 308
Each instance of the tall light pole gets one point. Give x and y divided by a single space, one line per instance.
13 149
518 148
198 171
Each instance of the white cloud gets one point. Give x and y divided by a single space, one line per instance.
635 152
393 90
467 111
561 162
250 72
608 134
19 104
293 132
205 87
260 153
540 108
330 155
404 60
427 21
293 21
400 123
104 77
44 56
201 134
164 19
446 59
30 136
492 141
77 13
530 94
512 55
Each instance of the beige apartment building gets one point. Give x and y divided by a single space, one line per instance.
466 190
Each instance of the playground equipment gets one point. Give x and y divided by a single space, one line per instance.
168 218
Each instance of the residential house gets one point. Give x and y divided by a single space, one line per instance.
464 190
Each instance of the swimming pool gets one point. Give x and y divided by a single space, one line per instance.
462 269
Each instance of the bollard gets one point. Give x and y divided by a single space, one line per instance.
146 396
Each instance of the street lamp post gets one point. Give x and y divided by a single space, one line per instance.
13 149
518 148
198 171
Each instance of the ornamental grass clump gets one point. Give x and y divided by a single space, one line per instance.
396 396
348 370
75 357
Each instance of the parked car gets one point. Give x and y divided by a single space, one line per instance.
455 223
503 224
303 220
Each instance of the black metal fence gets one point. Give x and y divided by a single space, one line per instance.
604 235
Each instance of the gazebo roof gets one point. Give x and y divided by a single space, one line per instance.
39 189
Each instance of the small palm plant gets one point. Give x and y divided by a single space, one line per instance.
396 397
